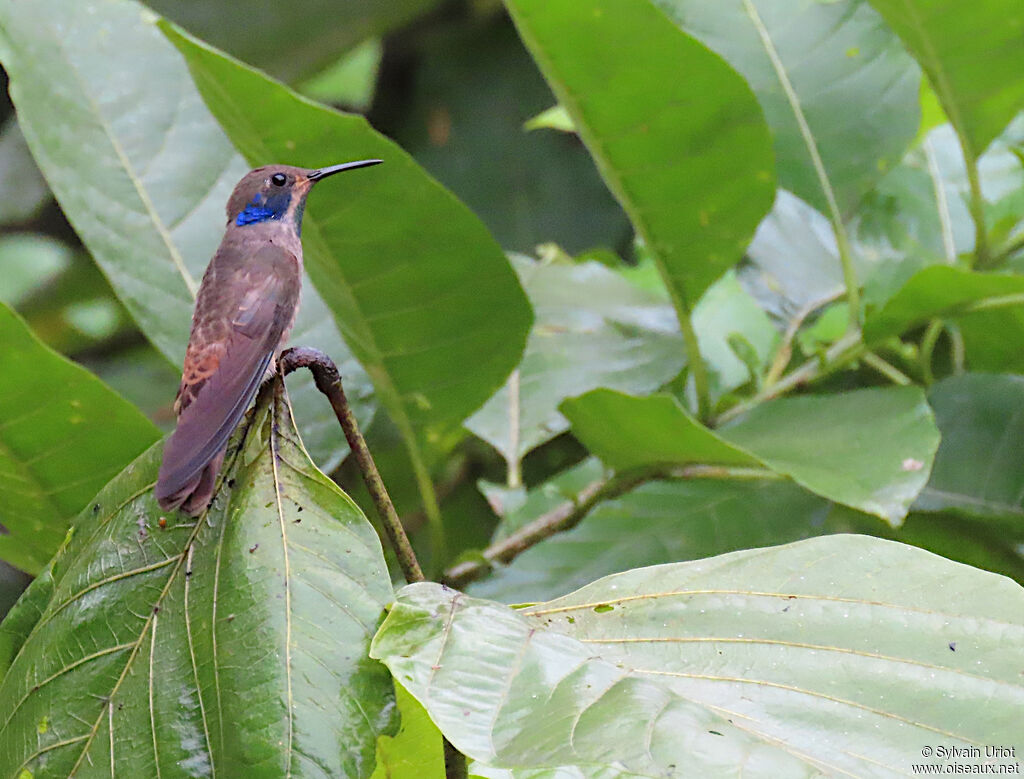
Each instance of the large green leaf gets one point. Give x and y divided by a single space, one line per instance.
831 143
234 643
290 40
835 655
660 522
794 260
979 468
593 329
938 291
869 449
973 57
628 432
64 435
677 134
142 171
418 287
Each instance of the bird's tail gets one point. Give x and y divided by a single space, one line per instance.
194 495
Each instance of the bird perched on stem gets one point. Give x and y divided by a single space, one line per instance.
244 312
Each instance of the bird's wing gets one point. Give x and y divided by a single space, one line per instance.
236 332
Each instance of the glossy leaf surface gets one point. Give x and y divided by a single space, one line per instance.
63 435
830 143
235 643
418 287
938 291
593 329
869 449
788 661
142 171
689 158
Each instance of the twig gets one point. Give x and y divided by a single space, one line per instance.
847 348
785 350
568 515
976 207
928 342
887 369
1007 252
328 381
695 361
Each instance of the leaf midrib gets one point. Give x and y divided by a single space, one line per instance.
140 190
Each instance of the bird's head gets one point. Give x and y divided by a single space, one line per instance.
278 192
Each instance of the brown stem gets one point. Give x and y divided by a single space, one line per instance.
570 514
328 381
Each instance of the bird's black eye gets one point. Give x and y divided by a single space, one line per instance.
278 179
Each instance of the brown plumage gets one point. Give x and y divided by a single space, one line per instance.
245 309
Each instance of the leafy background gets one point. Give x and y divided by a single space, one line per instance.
694 277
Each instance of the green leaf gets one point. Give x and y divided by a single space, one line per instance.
630 432
839 655
794 260
64 435
938 291
689 157
683 520
831 144
142 171
350 80
235 643
593 329
290 40
972 56
414 752
418 287
869 449
978 467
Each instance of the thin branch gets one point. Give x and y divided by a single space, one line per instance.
928 342
785 351
328 381
843 351
695 362
835 215
887 369
941 203
976 207
568 515
1007 251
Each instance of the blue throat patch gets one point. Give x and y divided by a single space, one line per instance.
262 208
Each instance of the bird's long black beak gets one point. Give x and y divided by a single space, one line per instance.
323 173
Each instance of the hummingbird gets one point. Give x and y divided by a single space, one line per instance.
245 309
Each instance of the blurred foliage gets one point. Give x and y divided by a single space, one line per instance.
825 201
